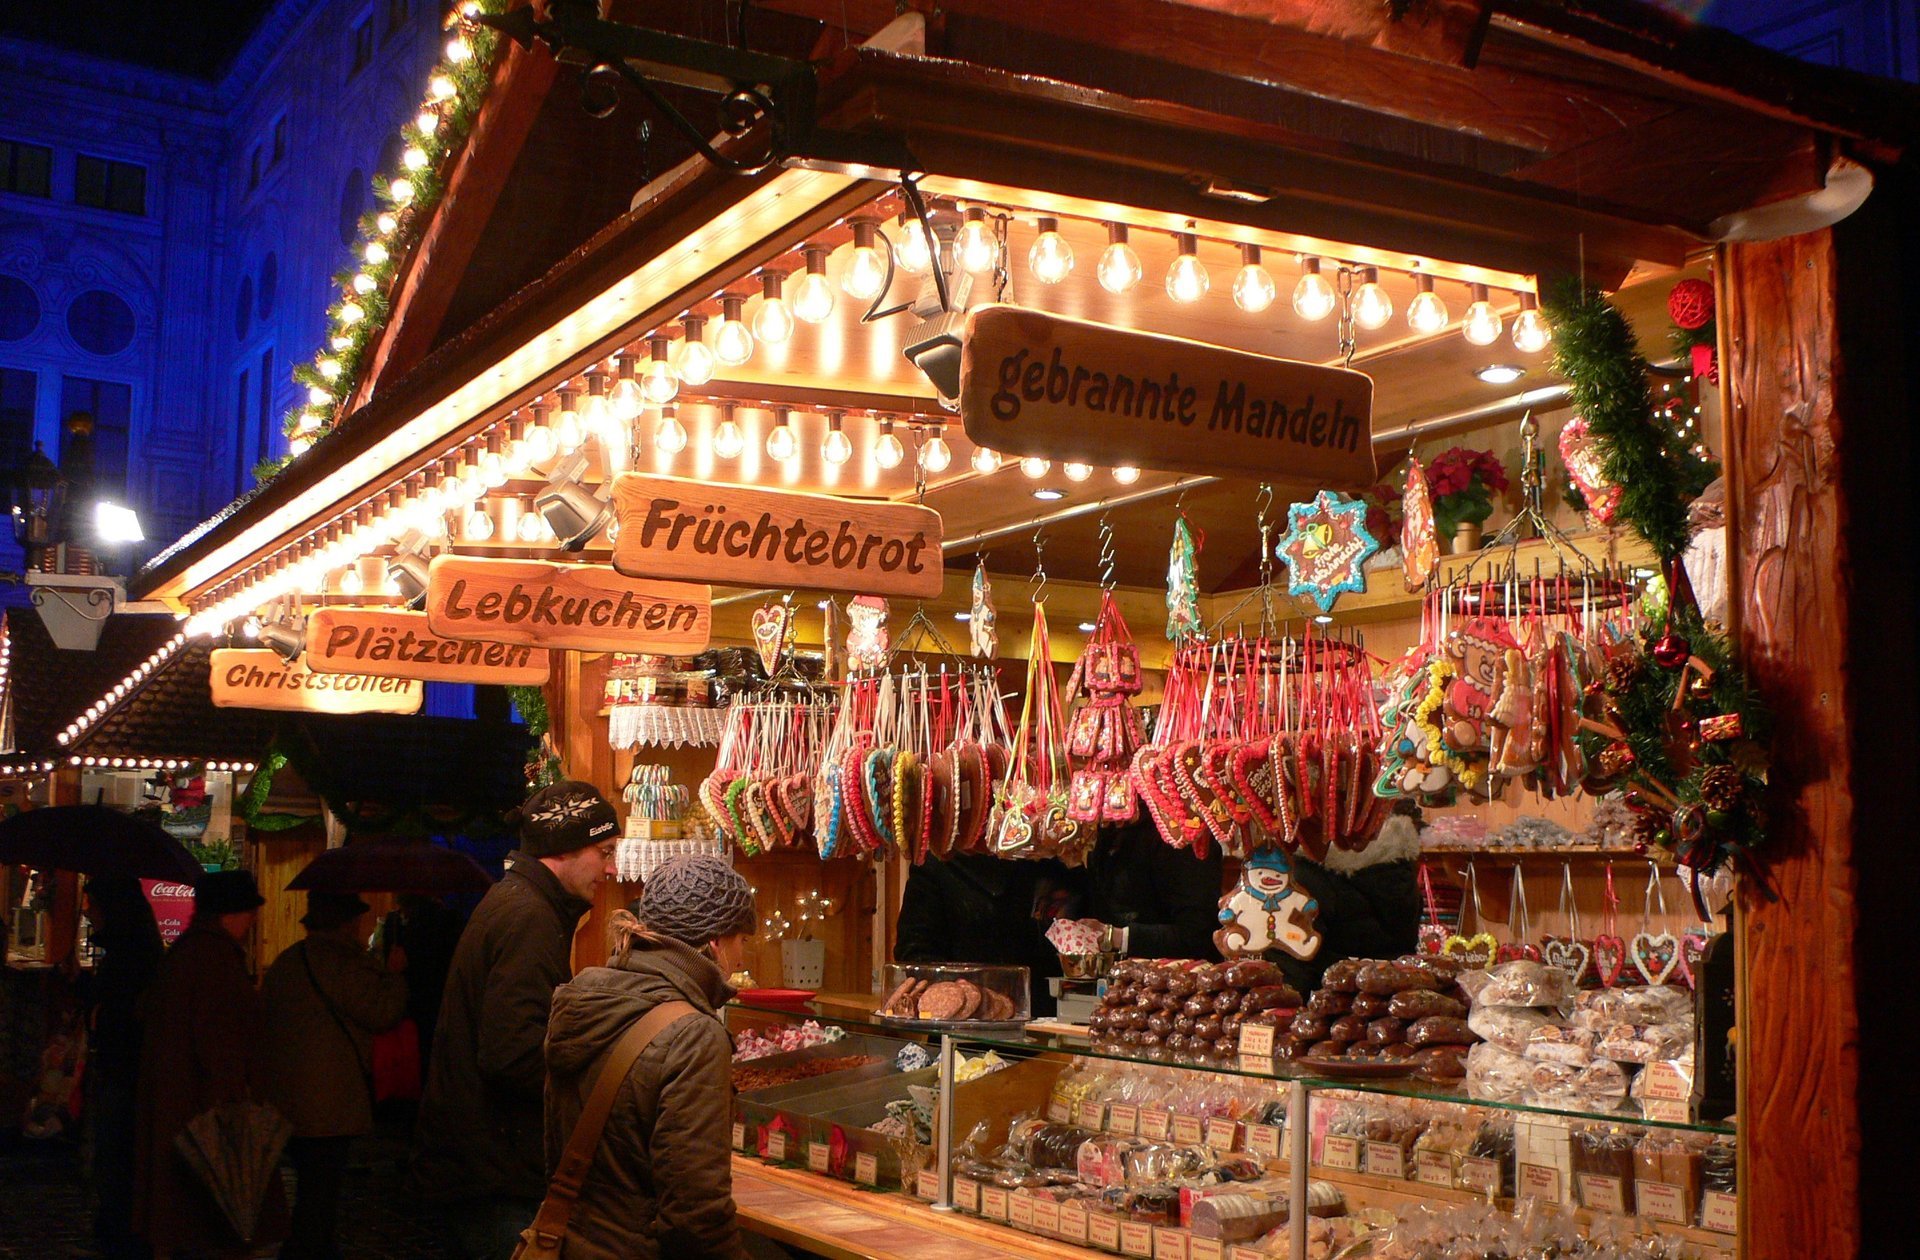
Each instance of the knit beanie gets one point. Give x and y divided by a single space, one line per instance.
564 817
695 899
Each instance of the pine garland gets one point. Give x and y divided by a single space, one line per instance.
543 767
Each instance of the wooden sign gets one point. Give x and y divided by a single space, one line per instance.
256 678
672 527
1066 389
395 643
587 607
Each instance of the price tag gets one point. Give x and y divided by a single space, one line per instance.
1264 1139
1155 1123
1020 1211
866 1168
1256 1040
1206 1249
1341 1154
1103 1231
927 1185
1660 1202
1046 1216
1222 1134
817 1157
1386 1159
966 1194
1672 1110
1258 1065
1188 1131
1123 1118
739 1136
1073 1221
1665 1080
1058 1111
1247 1253
1433 1168
993 1202
1538 1181
1720 1212
1136 1238
1482 1176
1601 1193
1090 1115
777 1145
1171 1244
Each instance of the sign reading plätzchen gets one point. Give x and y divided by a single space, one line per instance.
1066 389
256 678
395 643
587 607
672 527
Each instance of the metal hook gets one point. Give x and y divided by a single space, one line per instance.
1037 584
1108 555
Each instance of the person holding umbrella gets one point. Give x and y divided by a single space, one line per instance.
128 939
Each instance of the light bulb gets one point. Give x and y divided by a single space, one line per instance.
493 470
670 435
935 454
530 527
913 252
375 253
813 296
1372 308
1119 267
350 580
781 442
1253 287
1051 258
339 342
728 440
596 414
329 369
888 452
459 50
386 222
693 361
985 461
477 527
401 190
1313 297
427 121
318 397
414 159
1077 472
539 445
351 313
441 87
659 383
1187 279
1481 326
1426 314
1125 474
1035 467
978 250
866 271
836 447
362 283
1530 331
567 430
732 343
773 322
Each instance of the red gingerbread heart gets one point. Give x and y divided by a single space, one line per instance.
1609 956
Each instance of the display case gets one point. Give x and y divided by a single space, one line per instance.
954 997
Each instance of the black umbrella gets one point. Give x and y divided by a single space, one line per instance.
392 865
94 840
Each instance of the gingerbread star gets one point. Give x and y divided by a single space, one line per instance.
1326 547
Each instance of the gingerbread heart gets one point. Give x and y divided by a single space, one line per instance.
1654 955
1581 453
772 625
1693 948
1609 956
1252 775
1570 956
713 796
1516 951
1473 951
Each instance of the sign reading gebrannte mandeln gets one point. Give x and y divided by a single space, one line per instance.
396 643
256 678
587 607
673 527
1066 389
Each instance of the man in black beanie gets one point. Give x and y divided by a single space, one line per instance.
480 1133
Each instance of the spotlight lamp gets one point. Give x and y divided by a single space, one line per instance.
574 513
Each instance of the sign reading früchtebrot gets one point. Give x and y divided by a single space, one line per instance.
396 643
586 607
256 678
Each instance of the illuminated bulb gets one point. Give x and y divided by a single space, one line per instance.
1051 258
401 190
352 313
567 431
493 470
329 369
781 443
441 87
813 296
984 460
299 445
1125 474
390 584
317 396
338 342
732 343
427 121
250 627
350 581
866 271
596 416
1372 308
888 452
478 526
836 447
459 50
1313 297
935 454
912 254
1426 314
386 223
539 446
530 527
414 158
728 440
659 383
693 362
670 435
1187 279
1253 286
375 253
1530 331
362 282
628 395
1077 472
1482 323
1119 267
773 322
978 250
1035 467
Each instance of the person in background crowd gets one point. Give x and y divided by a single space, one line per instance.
1369 901
661 1186
479 1137
325 997
423 933
1149 899
203 1047
130 950
973 907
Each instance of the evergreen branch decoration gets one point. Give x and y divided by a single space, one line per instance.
543 766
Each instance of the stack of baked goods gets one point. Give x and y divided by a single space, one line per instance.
1182 1011
1409 1009
946 997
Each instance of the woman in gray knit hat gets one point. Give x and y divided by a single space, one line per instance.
660 1184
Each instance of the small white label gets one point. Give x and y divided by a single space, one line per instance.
1058 1111
1341 1154
1188 1130
817 1157
1136 1238
966 1194
866 1168
1433 1168
1090 1115
1155 1123
1659 1201
1020 1211
1482 1176
1073 1221
1206 1249
1256 1040
1123 1118
1264 1139
927 1185
1222 1133
739 1136
1720 1212
1171 1244
993 1202
777 1145
1538 1181
1103 1231
1046 1216
1601 1193
1386 1159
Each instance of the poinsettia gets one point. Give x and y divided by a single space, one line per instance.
1463 482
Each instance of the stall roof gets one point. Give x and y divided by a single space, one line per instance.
171 715
43 689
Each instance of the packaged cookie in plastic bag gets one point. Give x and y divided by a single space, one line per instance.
1523 982
1507 1026
1497 1073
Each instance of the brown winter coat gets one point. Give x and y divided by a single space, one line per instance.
480 1119
317 1065
661 1185
204 1038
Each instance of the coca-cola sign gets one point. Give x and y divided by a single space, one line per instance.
172 905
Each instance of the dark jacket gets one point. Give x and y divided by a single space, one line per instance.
1369 904
1166 898
981 909
203 1047
479 1133
318 1065
661 1184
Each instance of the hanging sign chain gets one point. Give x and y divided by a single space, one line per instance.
1349 339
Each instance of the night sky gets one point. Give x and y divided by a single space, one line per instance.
193 37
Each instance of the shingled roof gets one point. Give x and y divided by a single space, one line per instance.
171 715
43 689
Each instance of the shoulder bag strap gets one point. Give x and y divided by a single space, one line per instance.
550 1225
326 1000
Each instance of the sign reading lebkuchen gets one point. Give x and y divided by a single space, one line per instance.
1067 389
672 527
395 643
256 678
587 607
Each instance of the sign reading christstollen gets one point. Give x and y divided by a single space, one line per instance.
395 643
586 607
1067 389
673 527
256 678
